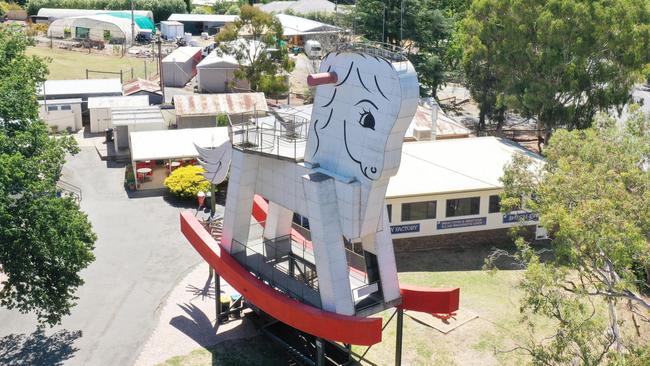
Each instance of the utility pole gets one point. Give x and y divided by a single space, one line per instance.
160 68
132 23
401 22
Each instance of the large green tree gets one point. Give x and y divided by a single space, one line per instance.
45 240
423 27
593 196
254 40
559 61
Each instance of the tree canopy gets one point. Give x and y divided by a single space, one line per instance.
45 240
593 195
423 27
560 61
254 41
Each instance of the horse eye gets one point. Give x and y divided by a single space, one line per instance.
367 120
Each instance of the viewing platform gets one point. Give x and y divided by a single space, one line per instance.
279 135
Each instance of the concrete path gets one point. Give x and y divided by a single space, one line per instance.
187 321
140 256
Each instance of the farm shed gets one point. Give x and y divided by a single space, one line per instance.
170 29
216 73
126 120
193 111
179 67
199 23
61 114
100 109
144 87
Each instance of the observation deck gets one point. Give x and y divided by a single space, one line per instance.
279 135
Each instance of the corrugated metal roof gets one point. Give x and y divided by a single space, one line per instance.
183 54
137 85
445 126
150 115
117 102
217 18
82 86
454 165
215 104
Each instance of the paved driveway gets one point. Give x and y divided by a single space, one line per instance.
140 256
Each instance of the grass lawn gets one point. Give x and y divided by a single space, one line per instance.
73 64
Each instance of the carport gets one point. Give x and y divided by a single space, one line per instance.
155 154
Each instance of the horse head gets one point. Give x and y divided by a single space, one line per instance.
362 108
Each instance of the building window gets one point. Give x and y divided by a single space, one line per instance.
418 211
389 208
107 35
51 108
463 206
495 204
66 108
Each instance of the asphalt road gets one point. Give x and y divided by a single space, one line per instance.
140 256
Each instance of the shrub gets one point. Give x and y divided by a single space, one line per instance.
186 182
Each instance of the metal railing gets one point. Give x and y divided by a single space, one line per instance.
280 135
380 49
68 189
283 265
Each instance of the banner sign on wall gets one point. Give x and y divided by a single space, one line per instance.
452 224
402 229
522 216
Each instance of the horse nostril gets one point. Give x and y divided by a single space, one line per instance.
373 170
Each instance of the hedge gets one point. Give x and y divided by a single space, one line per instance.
161 9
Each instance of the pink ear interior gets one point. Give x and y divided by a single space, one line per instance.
322 78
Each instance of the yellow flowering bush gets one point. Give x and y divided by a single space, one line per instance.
187 181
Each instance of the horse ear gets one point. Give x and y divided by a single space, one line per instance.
322 78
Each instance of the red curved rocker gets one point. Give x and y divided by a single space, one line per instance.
311 320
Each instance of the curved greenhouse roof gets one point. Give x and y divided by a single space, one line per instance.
96 27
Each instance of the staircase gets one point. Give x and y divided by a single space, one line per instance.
215 227
66 189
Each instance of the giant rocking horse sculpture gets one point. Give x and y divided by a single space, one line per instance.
365 100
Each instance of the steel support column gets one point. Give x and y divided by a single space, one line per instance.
398 338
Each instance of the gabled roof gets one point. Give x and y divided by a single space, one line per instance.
445 126
454 165
294 25
183 54
80 87
137 85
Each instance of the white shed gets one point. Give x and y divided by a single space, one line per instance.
179 67
61 114
126 120
216 74
170 29
100 109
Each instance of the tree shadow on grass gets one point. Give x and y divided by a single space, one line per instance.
38 348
